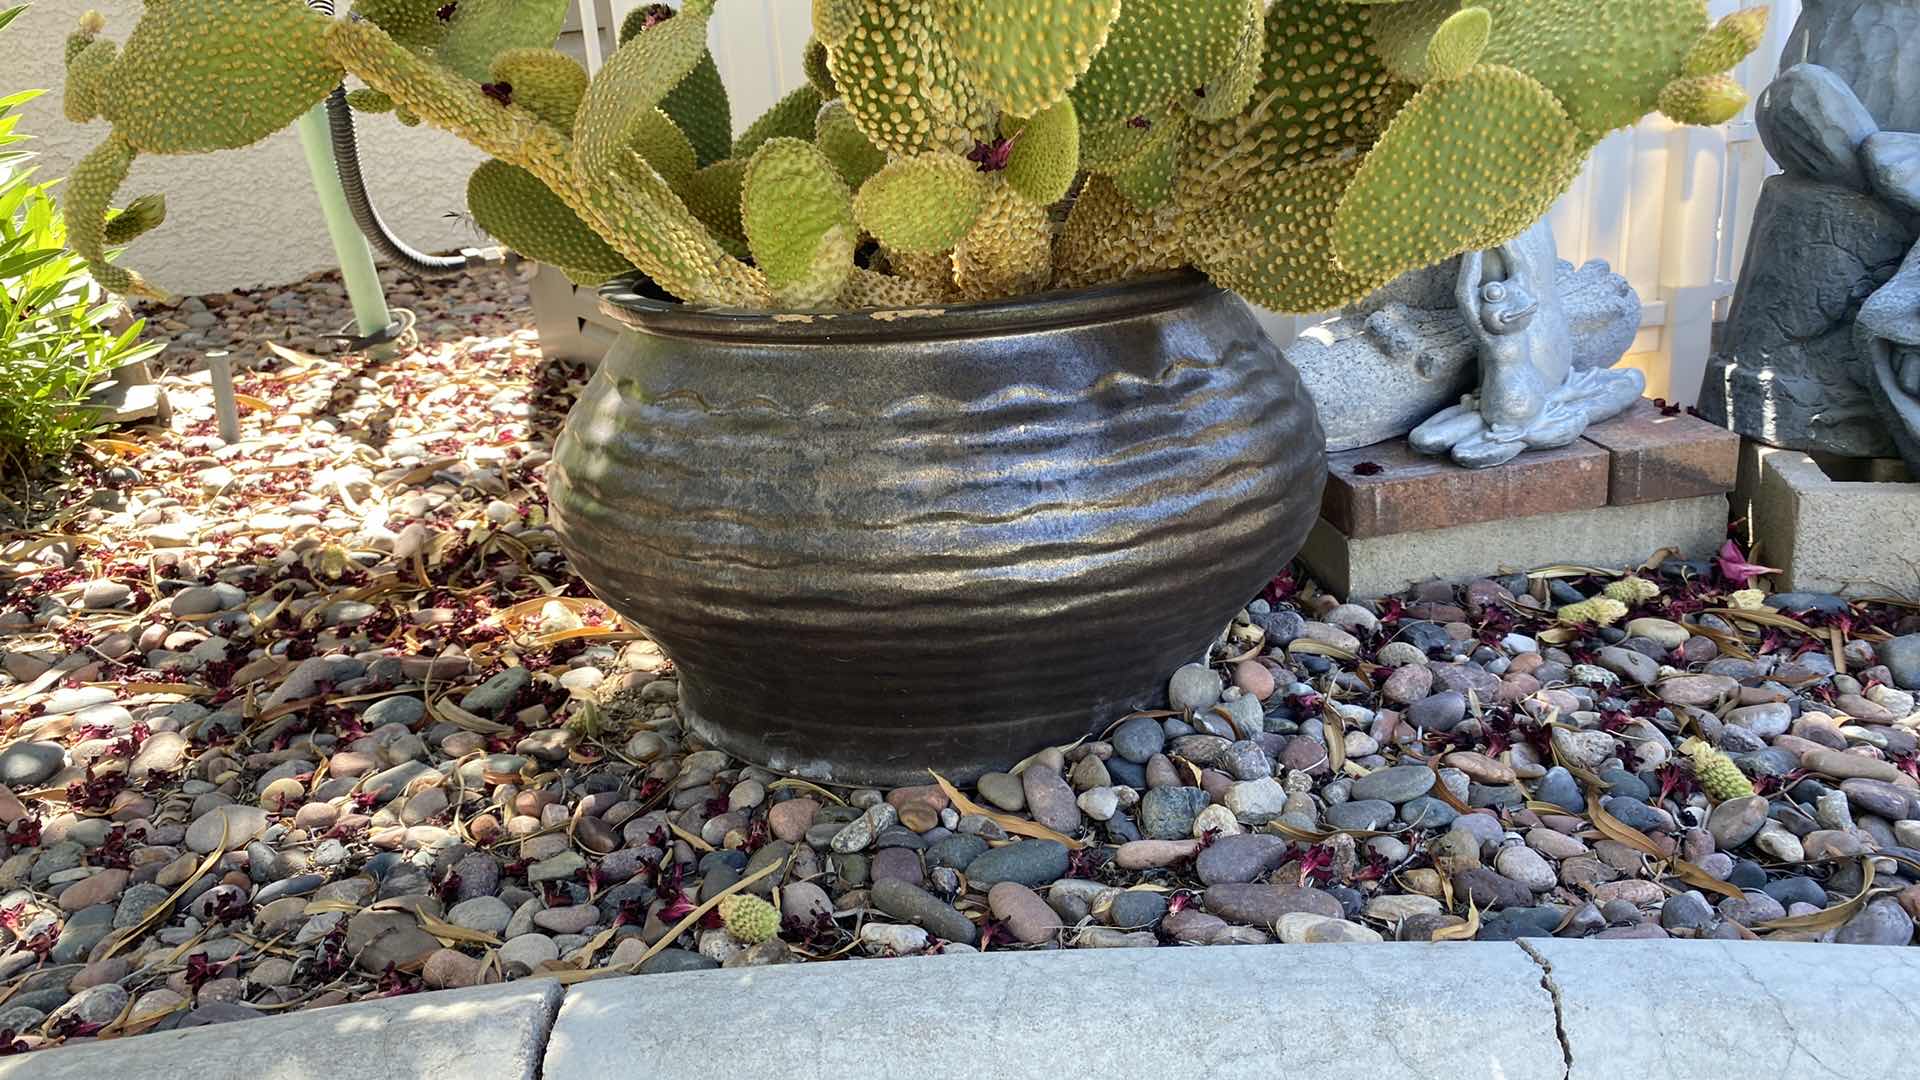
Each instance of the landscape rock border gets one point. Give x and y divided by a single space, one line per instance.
1535 1009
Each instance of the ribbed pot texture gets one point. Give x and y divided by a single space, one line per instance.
875 544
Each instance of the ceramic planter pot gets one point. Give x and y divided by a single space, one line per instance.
875 543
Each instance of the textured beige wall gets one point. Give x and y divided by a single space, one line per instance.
237 217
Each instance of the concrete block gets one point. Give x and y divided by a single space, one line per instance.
1607 536
1331 1012
1846 526
1732 1010
489 1033
1390 488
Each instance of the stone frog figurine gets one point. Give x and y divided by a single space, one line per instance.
1530 395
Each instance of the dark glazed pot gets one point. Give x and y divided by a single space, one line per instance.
878 543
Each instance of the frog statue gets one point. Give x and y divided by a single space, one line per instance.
1821 349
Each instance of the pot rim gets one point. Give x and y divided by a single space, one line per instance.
622 299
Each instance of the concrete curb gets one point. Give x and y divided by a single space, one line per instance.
1539 1009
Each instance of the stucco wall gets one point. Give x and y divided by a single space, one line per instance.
238 217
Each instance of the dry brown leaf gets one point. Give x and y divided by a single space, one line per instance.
1320 648
694 841
1006 821
1336 732
1761 617
159 912
1620 832
1465 931
251 402
448 933
1557 635
459 717
1035 756
1570 570
118 447
798 784
1832 917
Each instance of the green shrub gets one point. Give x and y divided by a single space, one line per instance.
54 340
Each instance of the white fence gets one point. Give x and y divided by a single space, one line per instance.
1667 206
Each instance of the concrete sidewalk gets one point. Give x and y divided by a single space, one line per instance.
1542 1009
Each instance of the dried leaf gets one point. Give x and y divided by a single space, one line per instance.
696 843
798 784
1320 648
1620 832
1570 570
1832 917
459 717
1336 731
178 688
159 912
1315 836
251 402
118 447
1761 617
1031 758
1465 931
448 933
1006 821
1557 635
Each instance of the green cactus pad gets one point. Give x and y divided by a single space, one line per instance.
1007 251
1229 92
479 30
838 137
1606 61
1427 40
903 85
661 143
1045 154
1703 99
923 203
414 23
699 106
789 118
87 74
1025 54
137 217
713 195
546 82
1106 238
1111 148
1469 163
798 217
814 63
866 289
85 199
1273 242
1729 42
170 93
519 211
1156 53
1148 182
368 100
833 20
630 86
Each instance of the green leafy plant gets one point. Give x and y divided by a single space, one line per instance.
1303 152
54 341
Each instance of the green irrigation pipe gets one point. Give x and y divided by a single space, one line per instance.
356 257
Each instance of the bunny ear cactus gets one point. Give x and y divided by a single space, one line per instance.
1301 151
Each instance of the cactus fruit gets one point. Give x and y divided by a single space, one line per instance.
1302 152
1598 610
798 217
513 207
1703 99
1631 590
1045 155
749 919
1719 777
135 218
1025 55
835 133
923 203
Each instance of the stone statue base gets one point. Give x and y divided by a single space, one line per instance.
1586 398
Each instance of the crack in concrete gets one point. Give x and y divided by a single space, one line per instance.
1559 1014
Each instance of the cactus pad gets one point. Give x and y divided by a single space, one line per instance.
1007 251
1272 242
1106 238
1598 611
87 74
902 83
813 63
789 118
1045 154
798 217
838 137
699 107
1728 43
1025 54
368 100
520 212
546 82
749 918
137 217
1631 590
1605 61
921 204
1157 53
713 195
479 30
1703 99
415 24
1468 163
628 88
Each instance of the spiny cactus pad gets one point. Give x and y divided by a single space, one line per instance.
1599 611
1606 63
1272 242
1046 153
1728 43
414 23
137 217
1631 590
798 217
1156 54
838 137
1025 53
519 211
627 90
713 194
1007 251
699 106
923 203
748 918
479 30
1468 162
1703 99
902 82
545 82
789 118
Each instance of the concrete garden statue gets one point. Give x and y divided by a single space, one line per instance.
1819 349
922 387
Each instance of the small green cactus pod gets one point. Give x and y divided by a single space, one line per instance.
518 210
922 203
1025 54
1631 590
1729 42
749 919
1703 99
1719 777
792 117
1045 153
838 137
1459 43
545 82
1467 162
798 217
368 100
138 216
